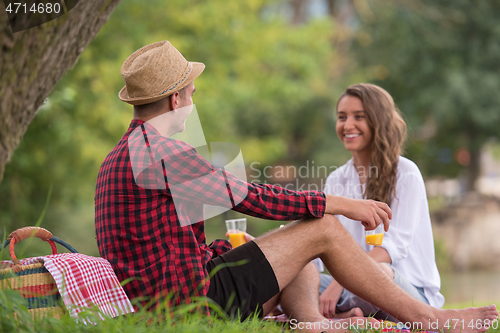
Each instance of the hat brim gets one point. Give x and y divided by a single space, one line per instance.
198 68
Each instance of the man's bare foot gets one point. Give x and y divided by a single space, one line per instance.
354 312
464 320
333 325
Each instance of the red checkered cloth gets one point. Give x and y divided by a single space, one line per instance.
84 283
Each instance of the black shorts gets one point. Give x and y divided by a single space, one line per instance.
244 281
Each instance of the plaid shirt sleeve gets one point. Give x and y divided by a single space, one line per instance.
190 177
149 201
176 168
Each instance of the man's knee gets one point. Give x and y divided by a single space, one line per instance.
311 233
324 230
313 273
329 226
327 222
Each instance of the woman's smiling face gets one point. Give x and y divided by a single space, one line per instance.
352 126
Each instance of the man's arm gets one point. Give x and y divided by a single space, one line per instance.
371 213
191 177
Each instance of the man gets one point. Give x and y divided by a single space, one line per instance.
149 219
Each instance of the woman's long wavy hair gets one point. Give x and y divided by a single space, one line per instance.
389 132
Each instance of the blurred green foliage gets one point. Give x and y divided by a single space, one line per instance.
267 87
439 60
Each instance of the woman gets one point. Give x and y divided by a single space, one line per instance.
372 129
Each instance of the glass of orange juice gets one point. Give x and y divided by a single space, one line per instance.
376 236
236 229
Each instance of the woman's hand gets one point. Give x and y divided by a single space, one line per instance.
329 298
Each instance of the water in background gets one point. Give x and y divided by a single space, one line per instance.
471 287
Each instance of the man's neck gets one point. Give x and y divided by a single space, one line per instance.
146 118
161 122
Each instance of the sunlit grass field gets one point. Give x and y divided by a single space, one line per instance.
14 317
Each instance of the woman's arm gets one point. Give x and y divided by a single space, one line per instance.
329 298
379 254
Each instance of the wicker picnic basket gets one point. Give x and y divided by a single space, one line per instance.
33 281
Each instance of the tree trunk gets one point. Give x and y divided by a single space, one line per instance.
331 7
475 146
299 8
33 60
474 168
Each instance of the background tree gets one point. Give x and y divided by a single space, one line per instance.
33 60
439 61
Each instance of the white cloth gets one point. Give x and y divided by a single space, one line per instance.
409 240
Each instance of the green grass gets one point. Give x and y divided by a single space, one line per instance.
14 317
468 304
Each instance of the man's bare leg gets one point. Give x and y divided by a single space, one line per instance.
291 248
300 299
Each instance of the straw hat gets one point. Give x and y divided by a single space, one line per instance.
156 71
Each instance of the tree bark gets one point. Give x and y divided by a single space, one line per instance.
475 145
474 168
299 8
331 7
33 60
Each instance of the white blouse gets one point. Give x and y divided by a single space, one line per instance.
409 240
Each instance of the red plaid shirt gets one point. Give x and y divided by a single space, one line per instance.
154 236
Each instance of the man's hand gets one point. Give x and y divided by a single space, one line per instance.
370 212
329 298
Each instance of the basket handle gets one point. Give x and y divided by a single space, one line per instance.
27 232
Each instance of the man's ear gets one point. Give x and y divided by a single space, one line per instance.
174 100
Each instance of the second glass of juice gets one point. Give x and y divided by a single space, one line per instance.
376 236
236 230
